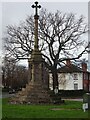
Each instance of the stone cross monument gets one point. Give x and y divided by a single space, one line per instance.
36 62
36 91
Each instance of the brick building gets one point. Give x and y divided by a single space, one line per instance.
72 77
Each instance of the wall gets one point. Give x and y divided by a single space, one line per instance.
66 81
70 81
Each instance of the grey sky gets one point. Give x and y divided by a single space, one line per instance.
14 12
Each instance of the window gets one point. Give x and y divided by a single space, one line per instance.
75 86
75 77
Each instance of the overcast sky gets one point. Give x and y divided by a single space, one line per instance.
14 12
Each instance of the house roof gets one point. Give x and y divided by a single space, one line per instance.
69 69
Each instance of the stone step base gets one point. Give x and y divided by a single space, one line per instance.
32 94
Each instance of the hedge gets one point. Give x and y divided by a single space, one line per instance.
71 93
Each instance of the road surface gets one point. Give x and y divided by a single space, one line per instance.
6 95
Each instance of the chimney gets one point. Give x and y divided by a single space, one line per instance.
68 62
84 66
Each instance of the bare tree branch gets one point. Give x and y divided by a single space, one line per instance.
60 35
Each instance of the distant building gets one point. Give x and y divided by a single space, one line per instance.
72 77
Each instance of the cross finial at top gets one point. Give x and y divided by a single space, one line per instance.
36 6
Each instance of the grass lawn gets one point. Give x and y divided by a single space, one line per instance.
0 109
71 109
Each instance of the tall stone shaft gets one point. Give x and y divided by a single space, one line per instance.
36 31
36 61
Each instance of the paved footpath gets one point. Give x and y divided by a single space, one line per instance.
6 95
76 99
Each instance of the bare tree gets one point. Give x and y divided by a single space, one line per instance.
14 76
62 81
60 38
61 33
7 69
19 40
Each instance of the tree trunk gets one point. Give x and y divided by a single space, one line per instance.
55 79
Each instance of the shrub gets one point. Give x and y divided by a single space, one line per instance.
71 93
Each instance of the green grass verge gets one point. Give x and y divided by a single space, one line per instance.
0 109
71 109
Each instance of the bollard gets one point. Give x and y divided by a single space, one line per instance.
86 102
